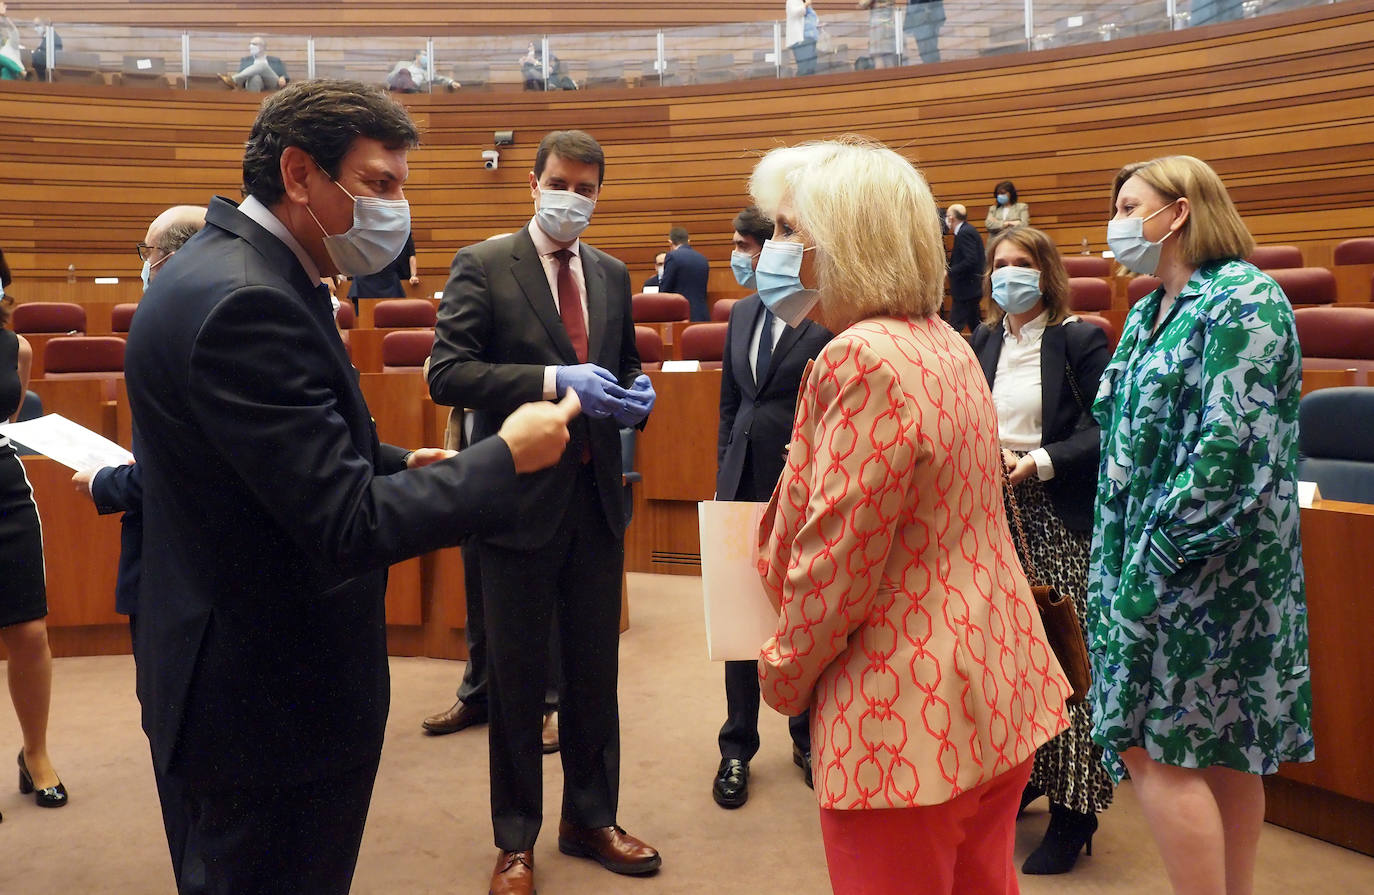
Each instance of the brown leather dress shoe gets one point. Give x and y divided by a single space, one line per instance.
549 735
514 874
461 715
611 847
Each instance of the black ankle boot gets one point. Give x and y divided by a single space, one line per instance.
1066 836
1028 795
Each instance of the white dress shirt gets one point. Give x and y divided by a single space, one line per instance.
774 333
1016 392
546 247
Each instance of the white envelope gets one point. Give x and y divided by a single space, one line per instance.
739 617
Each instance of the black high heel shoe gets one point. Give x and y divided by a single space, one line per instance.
48 797
1066 836
1028 795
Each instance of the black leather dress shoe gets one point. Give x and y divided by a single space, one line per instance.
731 787
460 716
803 760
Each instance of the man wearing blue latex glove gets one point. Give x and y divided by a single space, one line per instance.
527 316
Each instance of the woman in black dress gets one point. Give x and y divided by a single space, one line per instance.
23 600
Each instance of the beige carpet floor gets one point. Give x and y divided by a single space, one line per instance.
429 830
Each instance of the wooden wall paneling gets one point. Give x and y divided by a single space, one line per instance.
1354 282
124 417
677 449
82 401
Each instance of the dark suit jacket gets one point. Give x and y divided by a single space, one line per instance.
756 419
271 513
966 264
498 329
273 62
1073 451
686 272
119 489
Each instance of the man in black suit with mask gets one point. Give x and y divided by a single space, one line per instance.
763 364
686 272
965 270
270 510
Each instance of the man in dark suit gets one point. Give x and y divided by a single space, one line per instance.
524 317
270 510
965 270
763 364
686 272
258 71
659 260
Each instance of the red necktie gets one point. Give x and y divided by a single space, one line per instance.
570 305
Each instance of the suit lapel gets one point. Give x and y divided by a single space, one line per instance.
992 351
790 336
1051 374
748 309
595 279
528 271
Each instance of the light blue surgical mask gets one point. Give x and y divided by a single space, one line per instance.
149 266
778 279
1126 239
742 264
379 232
1003 198
564 214
1016 289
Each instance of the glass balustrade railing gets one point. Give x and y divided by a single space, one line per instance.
891 33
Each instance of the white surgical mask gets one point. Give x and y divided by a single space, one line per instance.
1016 289
148 266
379 231
564 214
254 49
778 279
1126 239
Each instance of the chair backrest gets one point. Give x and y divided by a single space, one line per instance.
1089 294
659 307
406 349
1087 265
1335 332
704 342
1103 324
720 311
1354 251
48 317
396 312
122 317
1140 287
1275 257
83 354
1306 285
649 345
1336 442
346 317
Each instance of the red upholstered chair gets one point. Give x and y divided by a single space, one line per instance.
86 357
1087 265
1140 287
1306 285
720 311
1337 339
122 317
346 317
659 307
406 349
49 317
705 342
1089 294
1355 251
1103 324
397 312
649 346
1275 257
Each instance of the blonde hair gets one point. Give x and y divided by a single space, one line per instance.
872 218
1214 230
1054 279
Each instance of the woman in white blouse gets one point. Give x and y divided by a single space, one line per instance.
1043 366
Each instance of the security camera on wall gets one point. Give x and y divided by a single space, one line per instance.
491 159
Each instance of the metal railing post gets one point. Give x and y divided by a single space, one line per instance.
310 57
186 59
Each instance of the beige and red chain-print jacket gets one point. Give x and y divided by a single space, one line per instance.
906 623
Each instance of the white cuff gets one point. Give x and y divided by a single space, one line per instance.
550 383
1044 466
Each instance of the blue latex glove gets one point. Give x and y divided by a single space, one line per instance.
596 387
637 403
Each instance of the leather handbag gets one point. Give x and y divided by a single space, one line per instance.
1057 614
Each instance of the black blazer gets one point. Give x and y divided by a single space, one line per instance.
270 515
966 264
756 420
498 329
119 489
686 272
1073 451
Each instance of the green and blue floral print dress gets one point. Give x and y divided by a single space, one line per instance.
1197 616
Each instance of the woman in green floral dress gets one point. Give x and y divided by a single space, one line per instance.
1198 625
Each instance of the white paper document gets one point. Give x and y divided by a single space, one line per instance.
739 617
71 445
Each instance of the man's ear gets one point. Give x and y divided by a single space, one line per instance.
296 168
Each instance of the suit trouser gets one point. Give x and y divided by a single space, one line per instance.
575 580
270 839
174 819
965 312
472 689
257 76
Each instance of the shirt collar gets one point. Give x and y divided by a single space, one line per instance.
1031 329
544 244
264 217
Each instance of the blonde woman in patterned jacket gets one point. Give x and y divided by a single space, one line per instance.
905 621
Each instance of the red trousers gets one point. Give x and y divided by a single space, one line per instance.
962 847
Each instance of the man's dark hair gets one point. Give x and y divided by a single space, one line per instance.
754 223
176 236
575 146
322 118
679 236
